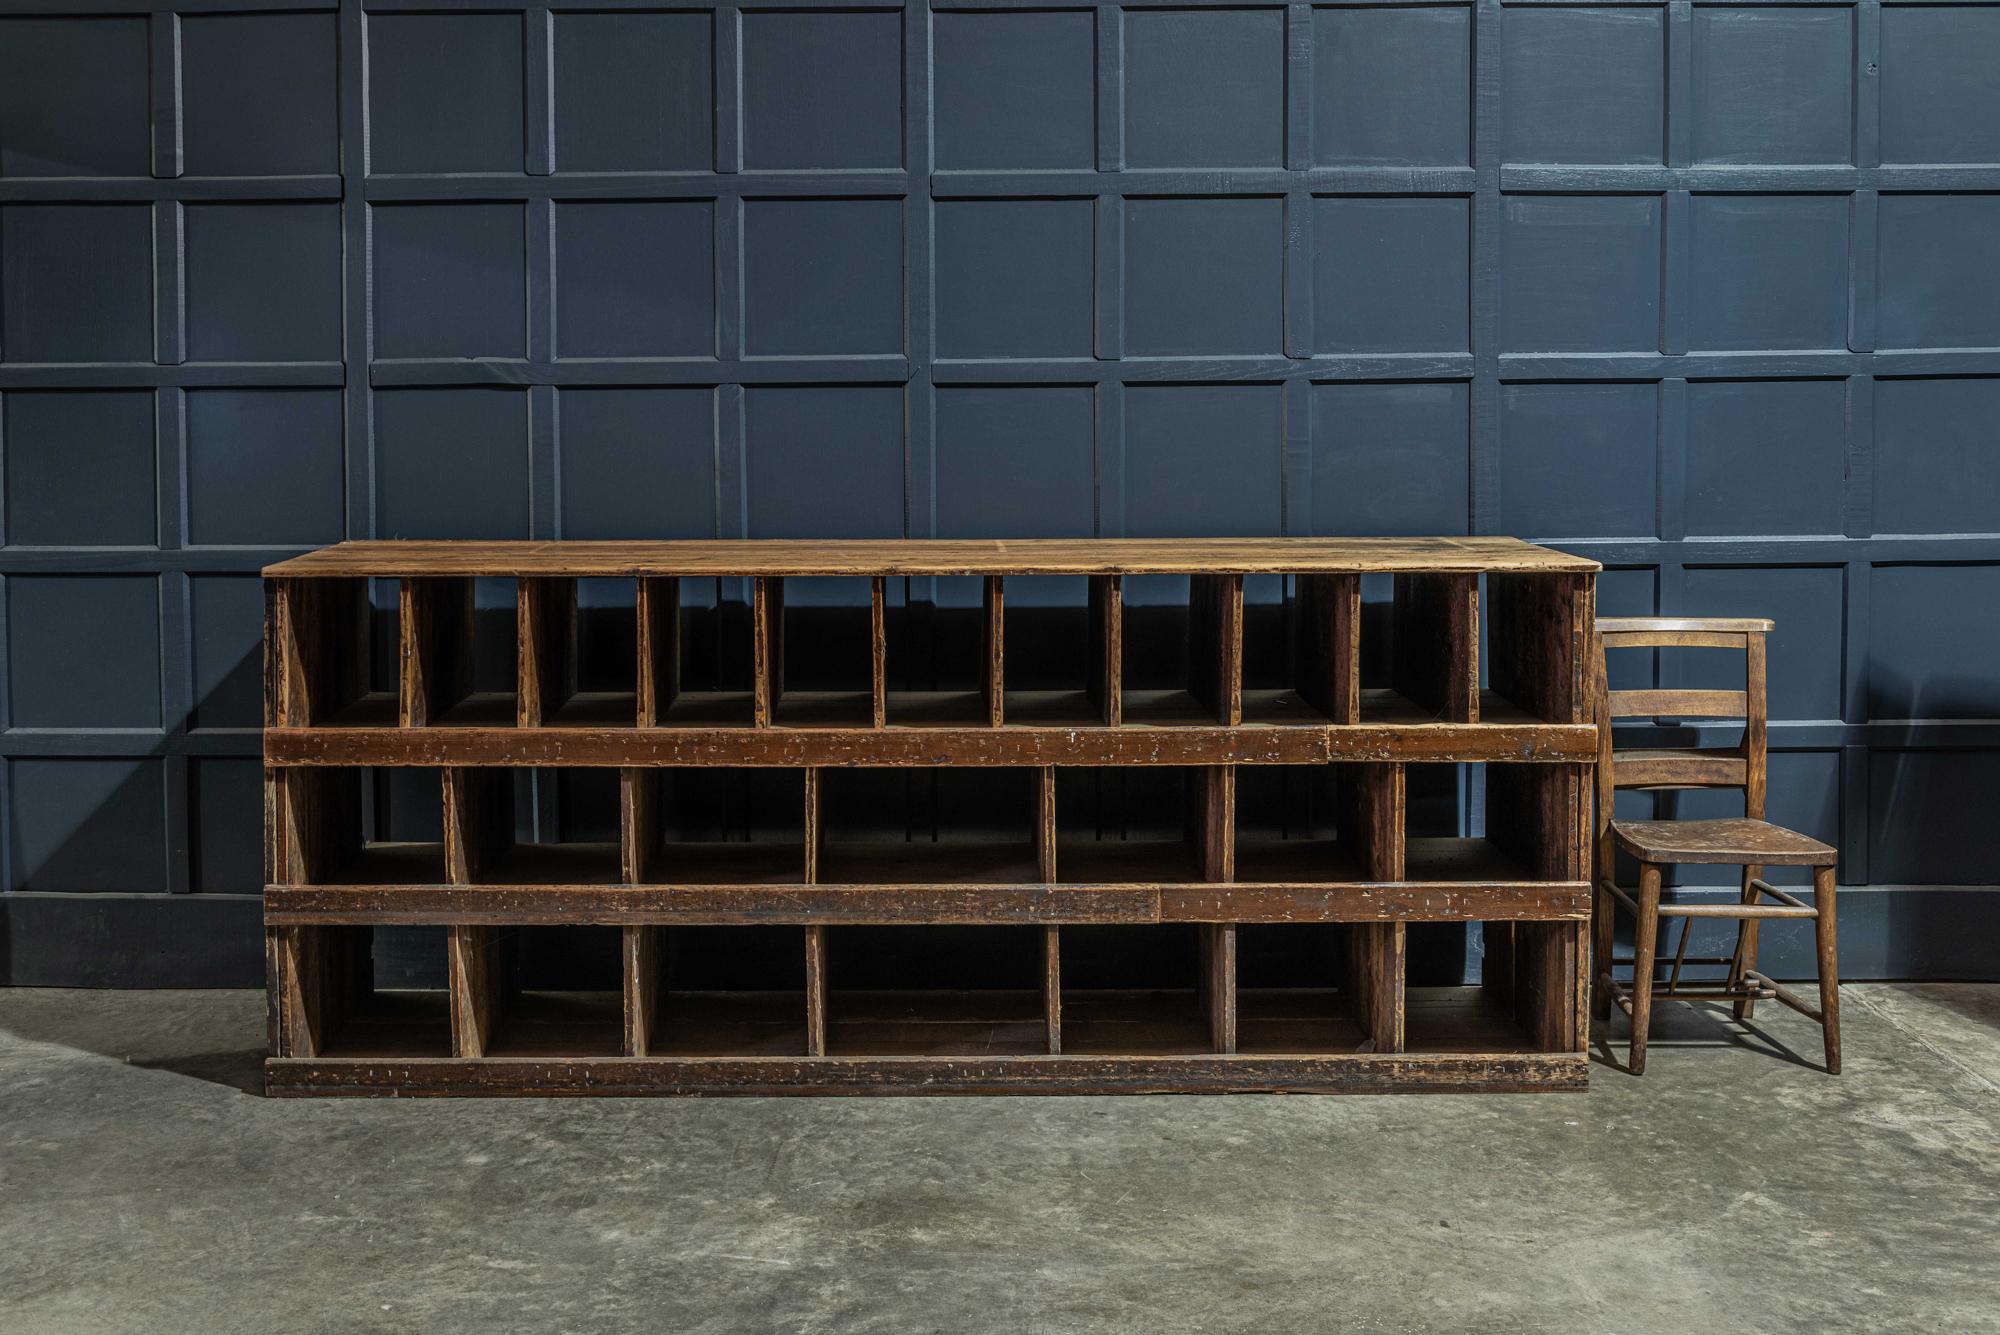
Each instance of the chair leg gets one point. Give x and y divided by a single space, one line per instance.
1645 940
1746 948
1603 928
1829 965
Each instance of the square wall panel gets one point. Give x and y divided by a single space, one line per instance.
1204 87
1580 273
1773 84
450 280
263 282
87 825
1766 456
451 463
258 94
824 461
1391 274
822 277
1392 86
73 97
1204 276
1933 633
1016 461
1578 461
1015 89
1583 85
1930 817
76 282
265 467
1629 593
635 279
1939 286
637 463
633 92
1391 460
1936 468
1015 277
1940 99
1768 271
80 468
83 651
226 623
445 93
822 89
1807 606
1204 460
227 799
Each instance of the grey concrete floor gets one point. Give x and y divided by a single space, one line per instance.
143 1187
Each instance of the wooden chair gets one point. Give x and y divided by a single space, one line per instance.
1750 842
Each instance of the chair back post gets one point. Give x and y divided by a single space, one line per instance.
1756 740
1605 855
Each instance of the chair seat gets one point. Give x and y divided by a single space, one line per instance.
1736 842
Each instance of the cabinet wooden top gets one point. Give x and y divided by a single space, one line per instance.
1030 556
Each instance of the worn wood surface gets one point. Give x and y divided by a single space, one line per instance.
1033 556
435 658
918 902
1333 1073
1436 649
657 620
1748 842
1014 744
332 1032
1327 668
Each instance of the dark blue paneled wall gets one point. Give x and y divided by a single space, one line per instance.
1706 291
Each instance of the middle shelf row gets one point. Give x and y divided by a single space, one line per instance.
1360 823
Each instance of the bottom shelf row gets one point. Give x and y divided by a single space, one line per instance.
400 993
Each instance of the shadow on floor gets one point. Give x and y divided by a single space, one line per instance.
1693 1024
174 1032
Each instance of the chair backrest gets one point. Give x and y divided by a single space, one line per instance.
1683 767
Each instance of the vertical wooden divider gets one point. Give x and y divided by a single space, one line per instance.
815 932
1215 645
1215 852
1373 803
878 651
1327 672
1539 816
436 650
545 625
478 828
1106 662
319 628
644 945
993 649
315 824
1539 631
1437 644
322 972
1045 871
658 621
767 646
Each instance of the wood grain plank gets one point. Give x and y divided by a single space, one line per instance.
1328 667
917 557
435 620
1349 1073
545 634
659 647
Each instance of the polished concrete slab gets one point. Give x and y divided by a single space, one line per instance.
144 1186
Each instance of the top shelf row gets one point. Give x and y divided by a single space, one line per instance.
455 650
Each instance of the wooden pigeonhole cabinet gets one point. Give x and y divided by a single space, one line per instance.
762 953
